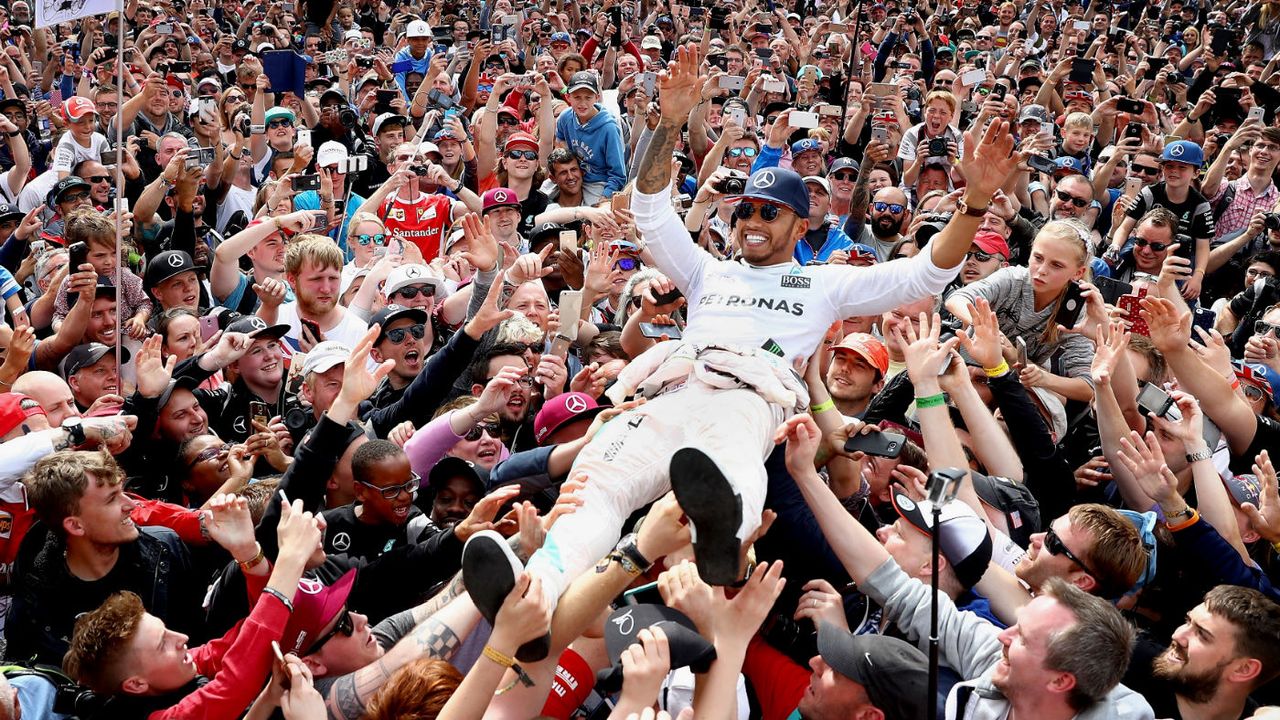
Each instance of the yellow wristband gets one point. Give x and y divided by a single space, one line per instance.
498 657
823 406
998 370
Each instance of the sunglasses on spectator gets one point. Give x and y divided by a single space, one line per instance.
279 122
626 264
980 256
1252 392
345 626
484 88
1155 246
412 291
530 155
1144 169
378 239
209 454
745 210
95 179
1262 328
399 335
1068 197
392 492
741 152
1054 545
845 175
74 197
508 120
893 208
475 433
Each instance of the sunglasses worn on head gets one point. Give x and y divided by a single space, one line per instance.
1069 198
740 152
412 291
398 335
746 209
378 239
474 434
344 626
392 492
1155 246
893 208
530 155
1054 545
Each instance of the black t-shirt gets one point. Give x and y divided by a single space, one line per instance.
530 208
1195 215
1266 437
348 535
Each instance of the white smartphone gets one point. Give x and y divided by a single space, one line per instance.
1080 25
731 82
775 86
798 119
1256 113
303 137
973 77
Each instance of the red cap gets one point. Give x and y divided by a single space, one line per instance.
314 606
563 409
14 408
175 82
76 107
990 242
499 197
871 350
517 139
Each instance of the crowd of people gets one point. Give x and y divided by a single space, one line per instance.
878 359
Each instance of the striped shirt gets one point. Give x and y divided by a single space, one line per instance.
1244 204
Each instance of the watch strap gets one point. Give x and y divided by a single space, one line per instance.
1205 454
628 555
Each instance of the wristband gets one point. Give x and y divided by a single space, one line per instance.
247 565
279 596
1235 383
508 662
1205 454
1174 527
929 401
822 406
998 370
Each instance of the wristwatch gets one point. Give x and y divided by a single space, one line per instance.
1205 454
628 556
963 207
1183 514
15 133
74 427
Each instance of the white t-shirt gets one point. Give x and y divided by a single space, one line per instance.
68 153
737 304
348 330
34 194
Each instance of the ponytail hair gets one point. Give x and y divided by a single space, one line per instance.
1074 232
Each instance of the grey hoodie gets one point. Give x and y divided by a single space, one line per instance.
971 645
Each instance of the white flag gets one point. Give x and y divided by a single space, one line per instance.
52 12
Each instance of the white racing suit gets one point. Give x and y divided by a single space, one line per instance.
718 390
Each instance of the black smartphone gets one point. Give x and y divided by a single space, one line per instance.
1153 399
1070 307
439 99
313 328
1133 130
110 158
77 255
303 183
1154 65
880 444
1227 98
1131 106
258 412
179 67
1081 70
1111 289
653 330
1041 163
382 103
664 298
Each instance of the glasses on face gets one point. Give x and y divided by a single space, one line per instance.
845 175
979 255
1144 170
397 336
1253 393
626 264
15 117
893 208
1054 545
209 454
95 179
379 239
1155 246
75 197
1069 198
412 291
745 210
508 120
530 155
484 88
279 123
475 433
344 626
1255 273
1262 328
392 492
742 152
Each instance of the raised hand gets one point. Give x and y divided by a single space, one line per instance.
982 340
1114 342
357 382
1265 516
229 524
153 372
524 615
645 665
738 619
683 589
821 603
925 355
488 316
1144 459
989 159
482 514
1169 330
680 86
803 437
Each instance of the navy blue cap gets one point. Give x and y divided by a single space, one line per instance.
778 185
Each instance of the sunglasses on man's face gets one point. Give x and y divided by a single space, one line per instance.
741 152
1069 198
398 336
768 212
1054 545
848 176
1262 328
1253 393
95 179
279 123
508 120
1155 246
626 264
1144 170
530 155
74 197
412 291
475 433
980 256
892 208
345 626
378 239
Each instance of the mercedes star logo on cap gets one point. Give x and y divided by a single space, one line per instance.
764 179
1177 150
412 272
175 260
575 404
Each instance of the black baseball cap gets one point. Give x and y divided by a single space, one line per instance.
185 382
166 265
545 231
10 212
1014 500
66 185
391 313
105 288
454 467
83 356
687 647
894 672
13 102
255 327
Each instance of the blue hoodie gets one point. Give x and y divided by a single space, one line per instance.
420 66
598 144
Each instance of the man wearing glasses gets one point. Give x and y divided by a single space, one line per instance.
1252 192
1148 247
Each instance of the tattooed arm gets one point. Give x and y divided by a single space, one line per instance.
681 91
435 635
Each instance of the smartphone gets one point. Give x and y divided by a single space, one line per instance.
403 66
1041 163
207 110
1203 318
357 163
651 330
973 77
1131 106
569 242
887 90
1131 305
879 133
179 67
775 86
1021 344
1070 306
798 119
1111 289
200 157
648 82
1153 399
302 136
436 98
77 255
737 115
306 182
280 662
258 412
764 53
208 327
382 103
1080 25
1132 186
732 82
1081 70
164 28
110 158
666 298
643 595
1256 113
881 444
313 328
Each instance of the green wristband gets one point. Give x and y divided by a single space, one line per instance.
929 401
